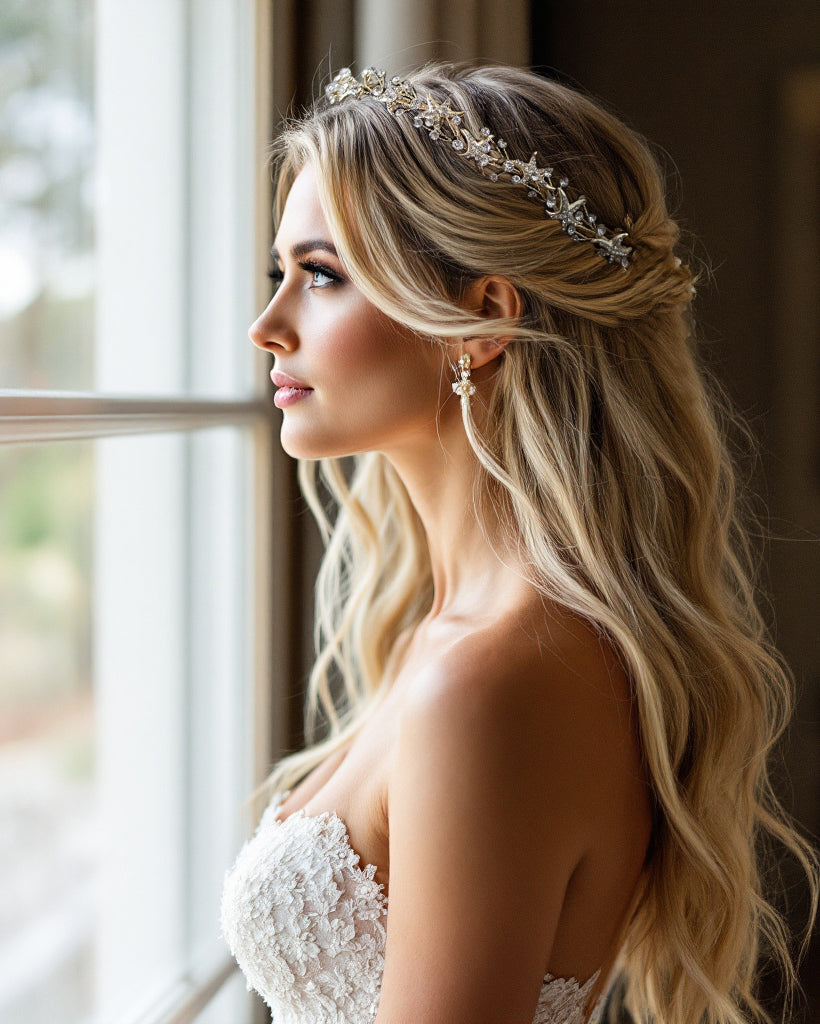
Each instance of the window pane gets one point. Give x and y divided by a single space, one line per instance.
127 175
232 1005
46 222
48 826
125 702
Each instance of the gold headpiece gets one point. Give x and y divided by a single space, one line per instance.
489 153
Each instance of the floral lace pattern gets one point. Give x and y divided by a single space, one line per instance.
306 924
562 1001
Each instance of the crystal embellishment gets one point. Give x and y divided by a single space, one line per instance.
489 155
464 386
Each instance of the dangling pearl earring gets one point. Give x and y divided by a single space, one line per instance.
463 385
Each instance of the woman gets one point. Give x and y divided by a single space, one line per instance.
547 692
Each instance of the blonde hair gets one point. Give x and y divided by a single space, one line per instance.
604 452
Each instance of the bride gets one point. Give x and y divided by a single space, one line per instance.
543 698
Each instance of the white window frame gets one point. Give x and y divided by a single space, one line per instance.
46 417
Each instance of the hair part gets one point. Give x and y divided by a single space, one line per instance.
612 471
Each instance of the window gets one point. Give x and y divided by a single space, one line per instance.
135 502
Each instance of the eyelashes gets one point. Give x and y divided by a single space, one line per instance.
311 267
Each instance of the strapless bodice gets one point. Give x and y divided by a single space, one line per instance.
306 924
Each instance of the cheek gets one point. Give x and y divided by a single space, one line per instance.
380 364
375 383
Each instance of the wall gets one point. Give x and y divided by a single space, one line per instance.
732 92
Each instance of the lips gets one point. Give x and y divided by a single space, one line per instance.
283 380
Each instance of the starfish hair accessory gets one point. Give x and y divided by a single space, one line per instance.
445 125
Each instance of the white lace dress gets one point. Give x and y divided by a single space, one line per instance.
306 924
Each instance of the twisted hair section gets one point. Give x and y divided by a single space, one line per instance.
603 446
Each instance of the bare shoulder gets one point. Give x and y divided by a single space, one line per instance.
549 650
537 705
505 777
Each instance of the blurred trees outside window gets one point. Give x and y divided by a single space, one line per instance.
130 656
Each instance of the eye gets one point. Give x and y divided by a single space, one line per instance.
276 276
321 279
322 276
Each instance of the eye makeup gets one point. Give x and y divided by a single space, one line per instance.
312 267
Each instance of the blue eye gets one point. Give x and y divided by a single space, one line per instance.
321 284
323 277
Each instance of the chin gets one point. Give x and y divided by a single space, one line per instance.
298 445
297 448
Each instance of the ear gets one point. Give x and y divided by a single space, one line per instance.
496 298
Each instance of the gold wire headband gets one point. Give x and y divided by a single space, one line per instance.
444 123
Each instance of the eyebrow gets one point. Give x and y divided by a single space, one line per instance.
303 248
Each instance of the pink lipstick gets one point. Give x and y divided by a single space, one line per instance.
290 390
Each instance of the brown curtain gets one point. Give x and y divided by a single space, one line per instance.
311 38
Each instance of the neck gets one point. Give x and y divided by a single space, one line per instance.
472 562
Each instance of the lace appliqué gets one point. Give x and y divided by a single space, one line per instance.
306 925
304 921
562 1001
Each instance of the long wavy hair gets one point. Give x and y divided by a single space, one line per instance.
603 447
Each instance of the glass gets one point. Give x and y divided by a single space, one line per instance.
127 185
46 195
125 712
48 825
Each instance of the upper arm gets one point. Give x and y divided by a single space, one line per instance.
486 825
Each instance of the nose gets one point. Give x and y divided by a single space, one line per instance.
270 331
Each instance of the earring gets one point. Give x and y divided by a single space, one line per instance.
463 385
